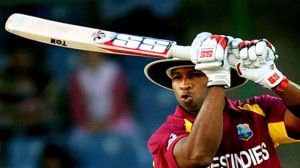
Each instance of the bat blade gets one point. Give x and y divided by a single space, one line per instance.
92 39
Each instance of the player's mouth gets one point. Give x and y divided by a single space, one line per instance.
186 97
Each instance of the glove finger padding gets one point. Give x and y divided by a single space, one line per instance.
256 52
261 50
248 53
233 51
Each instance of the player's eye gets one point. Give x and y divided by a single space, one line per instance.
175 77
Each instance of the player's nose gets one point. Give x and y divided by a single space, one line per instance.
185 84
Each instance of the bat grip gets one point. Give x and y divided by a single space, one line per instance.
182 52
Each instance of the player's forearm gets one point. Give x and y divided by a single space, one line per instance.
206 135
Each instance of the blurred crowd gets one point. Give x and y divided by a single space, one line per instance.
66 108
90 122
29 103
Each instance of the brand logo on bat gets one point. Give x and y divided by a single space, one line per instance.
58 42
99 35
132 42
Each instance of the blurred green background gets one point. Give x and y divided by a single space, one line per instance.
179 20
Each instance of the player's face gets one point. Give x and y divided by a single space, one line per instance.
190 87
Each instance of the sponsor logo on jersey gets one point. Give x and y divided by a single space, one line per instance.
243 159
171 140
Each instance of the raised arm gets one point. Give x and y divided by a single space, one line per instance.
200 146
257 64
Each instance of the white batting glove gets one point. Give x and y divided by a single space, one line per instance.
256 63
252 53
209 54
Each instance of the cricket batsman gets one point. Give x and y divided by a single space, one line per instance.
209 129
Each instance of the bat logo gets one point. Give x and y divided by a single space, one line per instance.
141 43
101 37
98 36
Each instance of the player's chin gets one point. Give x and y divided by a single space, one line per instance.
190 107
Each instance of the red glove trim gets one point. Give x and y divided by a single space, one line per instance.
282 86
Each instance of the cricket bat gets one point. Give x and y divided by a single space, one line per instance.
92 39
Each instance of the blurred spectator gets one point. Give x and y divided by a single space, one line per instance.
105 131
27 106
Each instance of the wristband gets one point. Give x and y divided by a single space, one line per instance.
281 86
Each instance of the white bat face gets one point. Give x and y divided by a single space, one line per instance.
91 39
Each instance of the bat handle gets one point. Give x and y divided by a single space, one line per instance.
182 52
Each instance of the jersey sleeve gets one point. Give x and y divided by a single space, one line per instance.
161 145
275 108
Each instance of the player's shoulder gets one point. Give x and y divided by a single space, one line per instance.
262 99
255 100
263 102
173 124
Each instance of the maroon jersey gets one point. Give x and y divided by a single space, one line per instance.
252 130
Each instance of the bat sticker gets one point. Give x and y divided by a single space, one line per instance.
101 37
